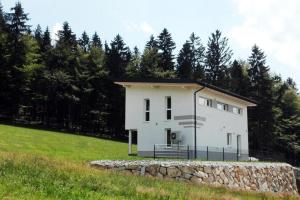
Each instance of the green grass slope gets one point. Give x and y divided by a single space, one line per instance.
47 165
60 146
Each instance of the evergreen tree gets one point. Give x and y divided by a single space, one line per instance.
133 67
165 45
261 117
46 41
117 57
152 43
149 63
96 41
185 62
198 55
3 25
217 58
84 42
38 35
17 27
239 81
67 37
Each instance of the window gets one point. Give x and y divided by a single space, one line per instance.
202 101
236 110
240 111
169 137
147 109
209 102
220 106
229 139
168 108
225 107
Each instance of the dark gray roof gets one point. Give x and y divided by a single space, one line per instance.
139 80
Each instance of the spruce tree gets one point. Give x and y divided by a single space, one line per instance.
18 28
152 43
84 42
117 57
3 25
133 67
261 118
166 45
217 59
46 41
38 35
239 80
185 62
96 41
198 55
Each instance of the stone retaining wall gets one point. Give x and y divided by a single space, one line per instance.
297 175
272 177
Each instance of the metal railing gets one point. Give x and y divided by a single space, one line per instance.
203 152
171 151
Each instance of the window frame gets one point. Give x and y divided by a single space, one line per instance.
167 108
147 110
220 106
209 103
168 133
226 107
229 139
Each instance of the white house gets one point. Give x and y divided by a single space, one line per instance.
163 112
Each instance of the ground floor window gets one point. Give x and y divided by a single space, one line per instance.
169 137
229 139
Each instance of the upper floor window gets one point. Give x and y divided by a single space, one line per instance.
147 109
225 107
209 102
168 108
220 106
202 101
236 110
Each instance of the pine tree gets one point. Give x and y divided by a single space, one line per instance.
152 43
96 41
3 25
185 62
18 28
84 42
46 41
133 67
166 45
261 118
198 55
239 80
217 58
117 57
67 37
38 35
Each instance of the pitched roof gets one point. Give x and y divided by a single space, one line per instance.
187 81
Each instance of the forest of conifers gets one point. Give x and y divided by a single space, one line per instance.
68 83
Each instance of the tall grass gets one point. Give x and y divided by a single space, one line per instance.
25 176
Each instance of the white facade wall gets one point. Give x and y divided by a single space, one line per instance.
214 124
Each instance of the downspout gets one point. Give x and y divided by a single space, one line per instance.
195 119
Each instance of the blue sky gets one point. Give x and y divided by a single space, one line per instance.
271 24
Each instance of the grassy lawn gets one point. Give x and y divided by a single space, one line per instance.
60 146
47 165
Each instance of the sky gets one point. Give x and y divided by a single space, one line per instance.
274 25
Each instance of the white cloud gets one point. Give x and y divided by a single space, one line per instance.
57 27
271 24
144 27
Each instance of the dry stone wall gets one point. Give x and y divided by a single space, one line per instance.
297 175
265 177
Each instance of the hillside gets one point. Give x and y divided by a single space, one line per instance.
37 164
60 146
